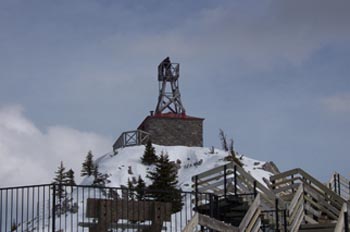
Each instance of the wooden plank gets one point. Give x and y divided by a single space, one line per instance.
286 181
290 187
294 213
284 174
310 220
107 211
191 225
213 185
296 197
255 220
212 178
257 226
298 220
323 209
208 173
214 224
247 219
322 200
340 222
322 186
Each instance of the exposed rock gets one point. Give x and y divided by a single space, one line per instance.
271 167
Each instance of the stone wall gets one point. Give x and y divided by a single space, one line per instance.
174 131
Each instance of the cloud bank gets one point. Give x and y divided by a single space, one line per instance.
30 156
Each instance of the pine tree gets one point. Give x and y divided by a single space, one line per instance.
164 183
59 180
131 193
149 156
88 165
140 189
99 178
70 177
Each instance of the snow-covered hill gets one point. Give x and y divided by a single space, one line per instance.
126 164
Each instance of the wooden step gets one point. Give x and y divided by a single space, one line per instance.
324 227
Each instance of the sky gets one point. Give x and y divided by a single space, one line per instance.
274 75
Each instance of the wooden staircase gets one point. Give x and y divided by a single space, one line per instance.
311 205
230 209
242 201
293 201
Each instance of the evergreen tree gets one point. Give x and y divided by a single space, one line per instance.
88 165
70 177
59 180
99 178
140 189
131 191
149 156
164 183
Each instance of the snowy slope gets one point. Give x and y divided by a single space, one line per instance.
126 164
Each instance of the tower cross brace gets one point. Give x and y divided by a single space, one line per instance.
168 77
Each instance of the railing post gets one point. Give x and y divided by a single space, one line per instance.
255 192
285 220
346 221
225 180
196 190
235 177
335 182
276 215
339 193
217 213
53 207
211 205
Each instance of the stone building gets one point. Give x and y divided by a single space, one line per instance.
171 129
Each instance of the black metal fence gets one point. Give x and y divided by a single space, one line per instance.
91 208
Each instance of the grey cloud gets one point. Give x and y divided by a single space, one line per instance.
29 156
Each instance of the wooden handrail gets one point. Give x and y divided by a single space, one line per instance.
131 138
305 178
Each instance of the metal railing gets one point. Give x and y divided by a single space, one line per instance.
131 138
50 207
340 185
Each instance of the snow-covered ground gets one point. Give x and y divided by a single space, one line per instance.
126 164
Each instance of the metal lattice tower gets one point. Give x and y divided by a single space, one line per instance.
169 93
